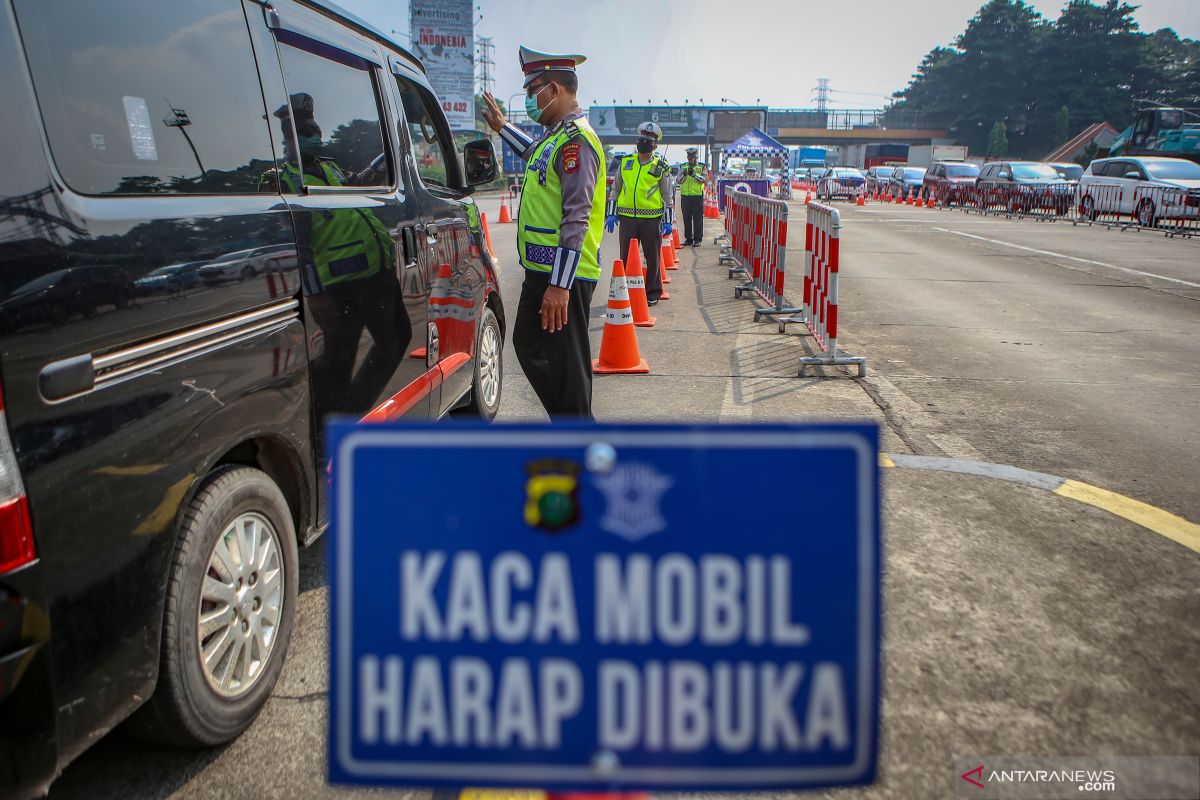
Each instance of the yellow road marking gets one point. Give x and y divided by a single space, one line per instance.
1161 522
501 794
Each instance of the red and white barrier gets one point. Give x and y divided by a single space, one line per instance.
757 248
1170 209
821 275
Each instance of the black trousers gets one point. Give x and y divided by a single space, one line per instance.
558 365
692 208
646 230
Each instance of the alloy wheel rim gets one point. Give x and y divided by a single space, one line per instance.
489 366
241 605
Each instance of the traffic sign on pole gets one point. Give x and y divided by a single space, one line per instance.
605 607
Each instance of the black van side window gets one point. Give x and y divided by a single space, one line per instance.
431 153
338 139
148 97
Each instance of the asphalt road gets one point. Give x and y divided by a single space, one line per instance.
1016 621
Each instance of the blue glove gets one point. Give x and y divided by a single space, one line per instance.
666 229
610 223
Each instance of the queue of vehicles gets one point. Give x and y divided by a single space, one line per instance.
1146 189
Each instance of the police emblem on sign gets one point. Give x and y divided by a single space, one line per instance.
633 493
552 495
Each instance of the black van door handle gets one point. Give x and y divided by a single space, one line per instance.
67 377
408 239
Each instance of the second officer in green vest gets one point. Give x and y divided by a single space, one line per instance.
558 233
692 178
641 200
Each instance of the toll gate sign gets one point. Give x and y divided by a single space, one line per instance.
602 607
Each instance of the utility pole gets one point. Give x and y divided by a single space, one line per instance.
485 57
822 92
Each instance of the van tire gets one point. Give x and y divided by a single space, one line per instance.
185 710
489 366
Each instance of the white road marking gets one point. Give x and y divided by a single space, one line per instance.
1071 258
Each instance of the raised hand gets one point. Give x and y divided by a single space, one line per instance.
492 113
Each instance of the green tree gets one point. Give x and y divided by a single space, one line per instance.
1062 126
998 141
1012 65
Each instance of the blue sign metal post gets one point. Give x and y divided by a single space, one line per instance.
602 607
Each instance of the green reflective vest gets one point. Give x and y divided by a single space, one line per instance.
641 195
540 217
348 244
691 185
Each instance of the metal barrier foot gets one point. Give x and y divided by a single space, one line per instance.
839 361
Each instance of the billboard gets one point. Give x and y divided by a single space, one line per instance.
443 37
674 120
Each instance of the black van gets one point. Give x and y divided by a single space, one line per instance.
220 221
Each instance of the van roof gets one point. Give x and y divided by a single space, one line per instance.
336 10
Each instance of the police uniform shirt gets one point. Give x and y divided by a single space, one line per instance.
578 181
665 188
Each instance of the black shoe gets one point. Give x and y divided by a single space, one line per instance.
651 302
695 244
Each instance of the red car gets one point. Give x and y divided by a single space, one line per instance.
946 181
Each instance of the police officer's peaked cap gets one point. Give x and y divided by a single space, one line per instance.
691 150
534 63
300 104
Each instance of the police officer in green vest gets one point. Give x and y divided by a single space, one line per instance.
641 200
345 260
559 226
692 178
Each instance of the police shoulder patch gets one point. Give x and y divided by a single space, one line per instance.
628 164
570 157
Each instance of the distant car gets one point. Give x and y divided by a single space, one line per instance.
1070 171
840 182
947 181
56 297
1111 185
905 181
243 265
878 177
169 280
1022 187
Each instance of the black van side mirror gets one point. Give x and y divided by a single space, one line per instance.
479 158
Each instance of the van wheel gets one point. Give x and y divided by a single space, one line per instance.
489 370
230 605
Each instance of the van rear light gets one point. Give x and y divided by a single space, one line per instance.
16 531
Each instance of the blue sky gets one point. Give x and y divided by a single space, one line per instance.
771 51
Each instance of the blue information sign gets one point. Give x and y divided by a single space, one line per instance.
756 186
513 163
576 607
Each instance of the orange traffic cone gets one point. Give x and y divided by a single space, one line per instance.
635 279
668 255
675 239
910 199
618 345
807 198
862 201
504 215
487 233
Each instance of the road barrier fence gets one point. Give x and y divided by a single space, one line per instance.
755 246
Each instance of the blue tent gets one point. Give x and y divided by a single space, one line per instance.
756 144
